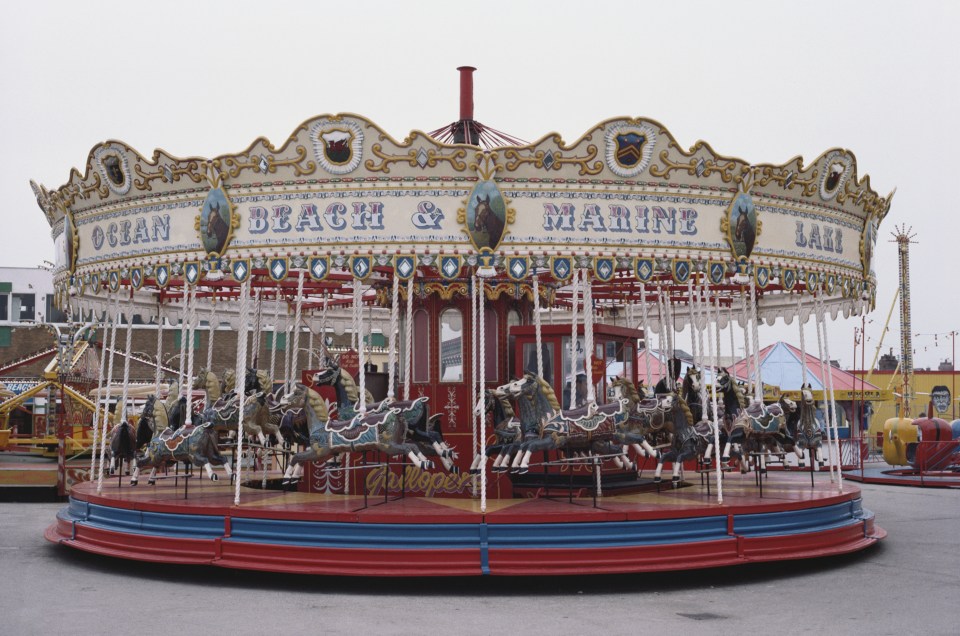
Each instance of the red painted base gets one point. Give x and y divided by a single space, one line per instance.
905 477
683 528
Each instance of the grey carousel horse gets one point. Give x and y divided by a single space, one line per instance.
808 438
423 429
196 445
384 432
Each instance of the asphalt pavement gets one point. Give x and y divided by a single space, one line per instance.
907 584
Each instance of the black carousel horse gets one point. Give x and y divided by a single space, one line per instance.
590 429
733 402
507 431
686 441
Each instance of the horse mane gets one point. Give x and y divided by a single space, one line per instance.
266 382
629 390
808 420
317 403
351 388
686 410
505 405
548 393
737 391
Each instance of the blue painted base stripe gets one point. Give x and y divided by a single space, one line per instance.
372 536
799 521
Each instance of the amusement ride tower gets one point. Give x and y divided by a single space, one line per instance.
904 237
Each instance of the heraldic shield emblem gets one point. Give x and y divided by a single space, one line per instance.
337 144
629 148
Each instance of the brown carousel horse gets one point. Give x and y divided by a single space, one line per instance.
123 446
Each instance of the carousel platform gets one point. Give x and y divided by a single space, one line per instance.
890 476
674 529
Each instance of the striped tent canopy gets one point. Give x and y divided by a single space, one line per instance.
781 365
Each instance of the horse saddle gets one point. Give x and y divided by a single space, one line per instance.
353 429
648 404
703 429
591 416
173 439
764 419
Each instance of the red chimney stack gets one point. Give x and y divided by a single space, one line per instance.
466 92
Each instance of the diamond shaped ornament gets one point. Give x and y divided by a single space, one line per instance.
717 272
319 268
278 269
762 276
643 268
163 275
404 267
604 268
449 266
240 269
681 271
360 266
788 279
517 267
561 268
192 272
136 277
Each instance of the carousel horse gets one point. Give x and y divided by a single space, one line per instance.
174 409
690 392
760 426
587 429
123 446
808 437
673 371
210 383
649 412
222 416
196 445
255 381
633 429
384 432
686 441
506 429
732 402
772 437
423 428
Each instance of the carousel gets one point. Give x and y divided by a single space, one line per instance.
507 429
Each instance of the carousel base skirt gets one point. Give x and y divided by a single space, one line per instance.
674 529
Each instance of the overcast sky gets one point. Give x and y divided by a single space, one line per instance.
763 81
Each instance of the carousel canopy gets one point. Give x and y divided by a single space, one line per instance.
344 204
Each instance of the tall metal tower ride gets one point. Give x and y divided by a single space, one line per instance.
903 236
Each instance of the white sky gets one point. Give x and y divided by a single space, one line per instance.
763 81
